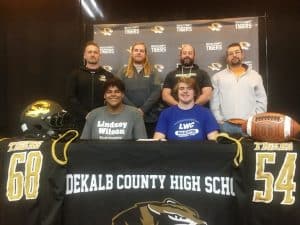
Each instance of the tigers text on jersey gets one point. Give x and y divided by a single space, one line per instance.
32 184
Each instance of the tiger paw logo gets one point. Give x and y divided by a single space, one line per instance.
106 31
158 29
215 66
167 212
38 108
245 45
215 27
159 67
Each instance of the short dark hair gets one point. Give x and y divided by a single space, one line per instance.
114 82
191 81
90 43
235 44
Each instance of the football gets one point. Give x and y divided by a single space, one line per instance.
271 127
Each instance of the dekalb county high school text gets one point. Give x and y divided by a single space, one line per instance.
80 183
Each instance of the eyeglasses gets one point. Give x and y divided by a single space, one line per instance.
237 52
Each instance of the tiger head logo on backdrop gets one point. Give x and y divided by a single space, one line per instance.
167 212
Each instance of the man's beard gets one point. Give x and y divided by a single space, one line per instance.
139 60
187 61
93 62
235 62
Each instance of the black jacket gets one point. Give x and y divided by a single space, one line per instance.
85 91
201 76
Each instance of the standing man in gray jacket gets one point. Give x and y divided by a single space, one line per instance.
238 92
142 85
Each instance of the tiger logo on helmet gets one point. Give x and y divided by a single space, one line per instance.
43 118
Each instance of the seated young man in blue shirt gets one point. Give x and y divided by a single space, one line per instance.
187 120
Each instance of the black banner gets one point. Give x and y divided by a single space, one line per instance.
166 183
122 182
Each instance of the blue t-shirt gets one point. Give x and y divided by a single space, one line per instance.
191 124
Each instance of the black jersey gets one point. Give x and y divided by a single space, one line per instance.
32 184
266 187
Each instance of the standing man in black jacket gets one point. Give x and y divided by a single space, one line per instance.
85 85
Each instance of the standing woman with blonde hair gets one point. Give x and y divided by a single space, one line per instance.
142 84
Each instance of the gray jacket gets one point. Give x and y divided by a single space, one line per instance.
143 92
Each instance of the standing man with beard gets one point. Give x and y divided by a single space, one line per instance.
238 92
85 85
142 86
187 68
